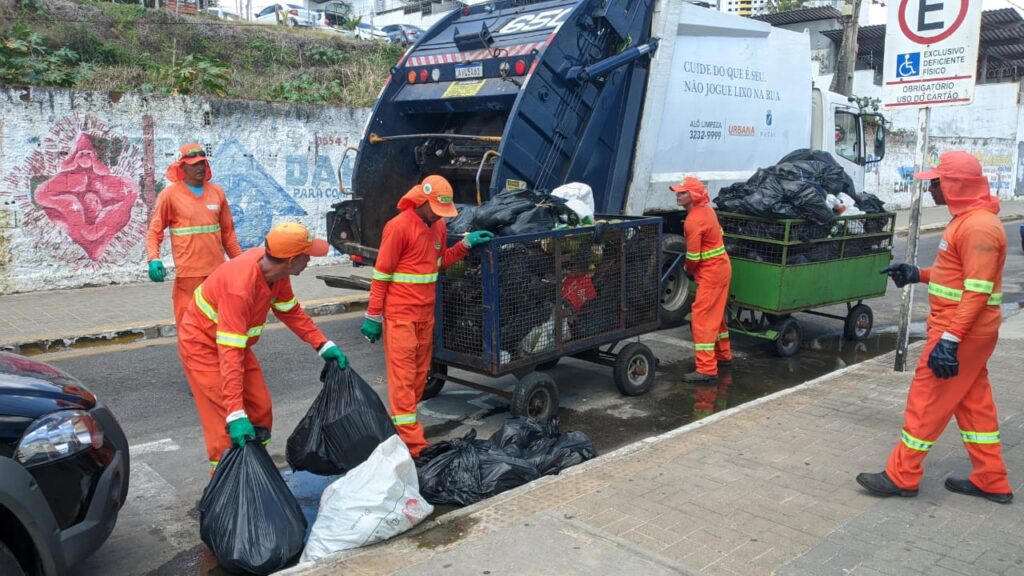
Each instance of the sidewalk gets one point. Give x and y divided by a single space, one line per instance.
765 488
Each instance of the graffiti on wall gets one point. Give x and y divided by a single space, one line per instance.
78 192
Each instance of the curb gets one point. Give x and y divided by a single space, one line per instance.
108 336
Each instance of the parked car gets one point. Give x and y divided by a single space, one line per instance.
294 15
63 469
411 33
219 12
367 31
334 14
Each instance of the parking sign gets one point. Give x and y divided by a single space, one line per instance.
931 53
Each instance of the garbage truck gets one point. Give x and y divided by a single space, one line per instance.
627 96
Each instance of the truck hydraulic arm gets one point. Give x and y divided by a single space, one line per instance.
579 74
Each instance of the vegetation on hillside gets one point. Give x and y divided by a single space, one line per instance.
96 45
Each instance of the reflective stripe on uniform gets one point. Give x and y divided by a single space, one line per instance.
255 331
707 254
983 286
958 295
204 306
377 275
414 278
286 306
403 419
723 336
232 339
980 437
704 347
916 443
191 230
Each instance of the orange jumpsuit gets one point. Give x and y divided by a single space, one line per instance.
964 292
215 339
201 232
411 254
707 261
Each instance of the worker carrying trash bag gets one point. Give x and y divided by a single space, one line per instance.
413 249
224 321
964 293
708 264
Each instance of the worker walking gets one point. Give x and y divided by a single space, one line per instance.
707 264
223 323
199 217
964 293
413 249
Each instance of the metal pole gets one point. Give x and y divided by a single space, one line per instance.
923 116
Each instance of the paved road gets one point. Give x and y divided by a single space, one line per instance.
158 531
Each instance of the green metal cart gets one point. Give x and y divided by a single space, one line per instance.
780 267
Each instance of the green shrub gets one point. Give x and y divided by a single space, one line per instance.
26 60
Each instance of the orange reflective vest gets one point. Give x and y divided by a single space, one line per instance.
705 247
201 229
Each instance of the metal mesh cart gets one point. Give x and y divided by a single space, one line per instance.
520 303
784 266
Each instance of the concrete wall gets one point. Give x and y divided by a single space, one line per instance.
80 171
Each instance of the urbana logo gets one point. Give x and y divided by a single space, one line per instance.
768 118
740 130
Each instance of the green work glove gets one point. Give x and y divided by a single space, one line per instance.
157 272
371 329
240 430
330 351
477 238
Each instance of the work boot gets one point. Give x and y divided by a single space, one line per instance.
699 377
965 486
879 484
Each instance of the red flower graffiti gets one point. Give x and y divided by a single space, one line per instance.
86 200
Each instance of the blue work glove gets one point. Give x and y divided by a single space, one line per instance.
943 360
240 430
330 351
477 238
157 272
902 274
371 329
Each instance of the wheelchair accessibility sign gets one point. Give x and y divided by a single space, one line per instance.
909 65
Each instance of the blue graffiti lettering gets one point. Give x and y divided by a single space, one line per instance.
296 171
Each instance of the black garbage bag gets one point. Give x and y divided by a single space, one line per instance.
467 470
343 426
541 444
248 517
462 223
504 208
868 203
826 170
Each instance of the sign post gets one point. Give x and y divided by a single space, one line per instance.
931 55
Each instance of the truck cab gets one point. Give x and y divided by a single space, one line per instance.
854 138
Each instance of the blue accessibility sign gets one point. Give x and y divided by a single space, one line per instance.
908 65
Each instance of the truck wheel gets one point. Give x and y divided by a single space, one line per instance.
858 323
8 563
634 369
789 340
535 396
676 299
434 384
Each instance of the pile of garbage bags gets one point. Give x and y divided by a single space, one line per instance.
513 212
466 470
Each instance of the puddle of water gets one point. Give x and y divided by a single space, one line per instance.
196 560
445 534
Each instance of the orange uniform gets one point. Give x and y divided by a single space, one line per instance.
216 335
708 263
964 293
201 232
403 292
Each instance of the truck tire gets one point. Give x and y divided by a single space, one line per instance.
675 296
9 565
434 385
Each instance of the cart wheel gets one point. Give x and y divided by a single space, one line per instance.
535 396
634 369
676 299
434 384
858 323
544 366
789 339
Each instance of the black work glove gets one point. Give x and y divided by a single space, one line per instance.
943 360
902 274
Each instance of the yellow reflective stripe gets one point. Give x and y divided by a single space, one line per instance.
204 306
980 437
958 295
983 286
403 419
704 347
693 255
995 300
916 443
286 306
190 230
723 336
377 275
213 463
414 278
256 331
714 252
232 339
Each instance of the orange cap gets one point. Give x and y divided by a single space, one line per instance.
698 192
291 239
191 154
433 189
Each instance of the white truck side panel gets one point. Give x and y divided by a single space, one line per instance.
727 95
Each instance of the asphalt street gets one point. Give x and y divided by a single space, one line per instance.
158 531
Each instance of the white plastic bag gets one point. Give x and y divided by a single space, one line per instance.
375 501
579 198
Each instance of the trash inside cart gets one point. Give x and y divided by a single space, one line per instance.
780 267
520 303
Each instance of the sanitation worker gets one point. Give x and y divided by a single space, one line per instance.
964 293
707 264
413 248
223 323
198 215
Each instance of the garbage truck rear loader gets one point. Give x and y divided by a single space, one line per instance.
626 96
